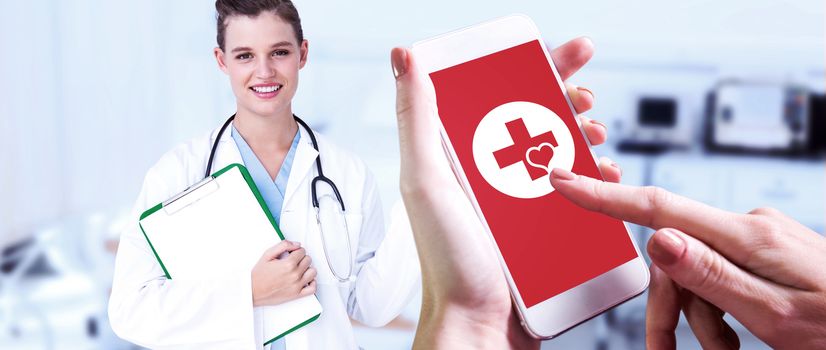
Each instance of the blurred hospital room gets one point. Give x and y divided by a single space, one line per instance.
720 101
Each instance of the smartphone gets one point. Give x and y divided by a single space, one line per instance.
506 122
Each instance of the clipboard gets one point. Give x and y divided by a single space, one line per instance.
221 225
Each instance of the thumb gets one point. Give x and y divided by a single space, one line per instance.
419 141
282 247
695 266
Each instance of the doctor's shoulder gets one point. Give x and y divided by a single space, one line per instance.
177 169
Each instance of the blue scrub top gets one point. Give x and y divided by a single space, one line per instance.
272 191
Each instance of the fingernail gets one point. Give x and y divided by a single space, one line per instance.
562 174
598 123
582 89
666 247
399 63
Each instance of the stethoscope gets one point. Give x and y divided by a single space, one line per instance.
319 178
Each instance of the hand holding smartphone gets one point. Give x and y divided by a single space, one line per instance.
507 122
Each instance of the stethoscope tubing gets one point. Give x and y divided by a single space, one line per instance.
319 178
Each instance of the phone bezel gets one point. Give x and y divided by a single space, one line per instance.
557 314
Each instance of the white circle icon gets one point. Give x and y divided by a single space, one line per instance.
517 144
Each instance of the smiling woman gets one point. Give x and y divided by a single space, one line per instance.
261 54
261 49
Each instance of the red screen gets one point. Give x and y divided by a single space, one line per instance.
549 244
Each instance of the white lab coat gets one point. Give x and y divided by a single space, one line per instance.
151 311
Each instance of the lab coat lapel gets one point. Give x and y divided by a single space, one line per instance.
303 163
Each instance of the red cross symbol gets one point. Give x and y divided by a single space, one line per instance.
522 140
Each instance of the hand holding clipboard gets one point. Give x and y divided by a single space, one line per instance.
222 225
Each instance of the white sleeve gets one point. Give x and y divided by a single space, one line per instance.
387 265
152 311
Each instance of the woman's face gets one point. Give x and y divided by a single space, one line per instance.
262 59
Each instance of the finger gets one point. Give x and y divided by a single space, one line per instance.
706 322
419 141
571 56
296 256
581 98
275 251
694 266
308 276
597 132
611 172
309 289
662 312
730 336
304 264
657 208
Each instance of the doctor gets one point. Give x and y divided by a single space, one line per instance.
354 270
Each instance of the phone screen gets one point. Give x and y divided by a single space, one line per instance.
509 123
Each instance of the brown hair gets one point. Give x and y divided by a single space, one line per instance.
252 8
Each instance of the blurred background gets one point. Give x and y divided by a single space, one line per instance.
721 101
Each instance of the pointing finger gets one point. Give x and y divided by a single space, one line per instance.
657 208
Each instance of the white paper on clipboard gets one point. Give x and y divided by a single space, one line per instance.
218 226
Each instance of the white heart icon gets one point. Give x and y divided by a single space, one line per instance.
538 149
